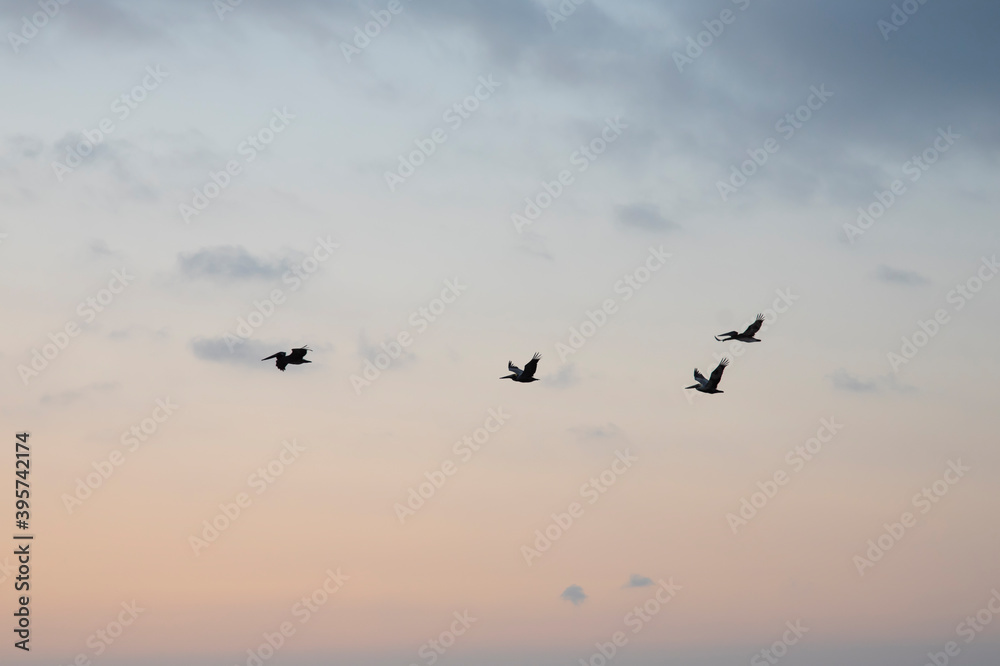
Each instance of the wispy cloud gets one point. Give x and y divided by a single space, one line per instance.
229 262
217 350
845 381
897 276
643 216
65 398
602 432
565 377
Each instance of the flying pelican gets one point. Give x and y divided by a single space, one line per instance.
528 374
297 357
747 335
710 385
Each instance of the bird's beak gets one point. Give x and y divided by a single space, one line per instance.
270 357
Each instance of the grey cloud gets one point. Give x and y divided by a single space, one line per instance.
217 350
845 381
573 594
604 432
229 262
565 377
638 581
897 276
66 398
643 216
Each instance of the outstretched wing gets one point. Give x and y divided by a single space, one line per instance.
713 382
754 327
700 378
299 354
531 366
513 368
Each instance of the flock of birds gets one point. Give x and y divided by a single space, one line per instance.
705 385
711 385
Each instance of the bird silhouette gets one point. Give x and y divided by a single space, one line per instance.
297 357
747 335
526 375
710 385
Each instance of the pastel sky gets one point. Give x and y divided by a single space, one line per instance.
189 186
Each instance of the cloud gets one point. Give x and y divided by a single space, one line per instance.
100 248
131 332
68 397
845 381
228 262
638 581
217 350
607 431
643 216
368 351
574 594
566 376
896 276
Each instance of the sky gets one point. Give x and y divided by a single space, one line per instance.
422 190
